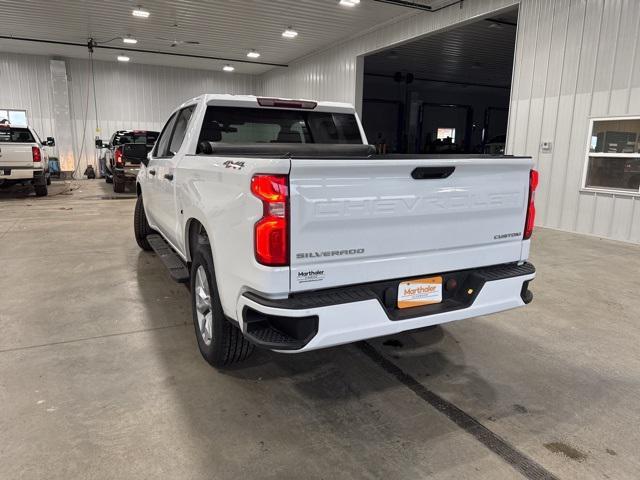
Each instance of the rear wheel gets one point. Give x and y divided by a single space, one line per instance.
141 227
118 185
220 342
41 189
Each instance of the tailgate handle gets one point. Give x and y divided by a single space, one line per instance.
431 173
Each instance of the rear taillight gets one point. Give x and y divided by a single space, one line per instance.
36 154
531 209
117 156
271 232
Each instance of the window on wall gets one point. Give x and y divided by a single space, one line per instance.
446 133
16 118
613 158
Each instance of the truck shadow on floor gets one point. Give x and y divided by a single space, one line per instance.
26 191
107 188
17 191
340 393
327 374
314 403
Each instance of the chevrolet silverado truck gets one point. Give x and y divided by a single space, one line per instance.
23 159
295 236
122 164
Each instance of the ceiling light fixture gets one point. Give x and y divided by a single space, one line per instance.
289 33
123 58
129 40
253 54
348 3
140 12
228 68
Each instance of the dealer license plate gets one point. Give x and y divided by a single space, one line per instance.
418 292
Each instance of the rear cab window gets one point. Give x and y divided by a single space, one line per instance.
135 136
16 135
262 125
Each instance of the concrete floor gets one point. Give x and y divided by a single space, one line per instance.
100 376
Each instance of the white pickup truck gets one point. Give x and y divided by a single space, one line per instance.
23 158
295 236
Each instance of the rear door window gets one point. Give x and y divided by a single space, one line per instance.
180 130
261 125
162 145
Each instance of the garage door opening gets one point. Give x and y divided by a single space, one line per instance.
447 93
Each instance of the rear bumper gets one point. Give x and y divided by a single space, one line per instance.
127 173
337 316
19 173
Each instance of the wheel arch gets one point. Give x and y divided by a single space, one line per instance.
195 231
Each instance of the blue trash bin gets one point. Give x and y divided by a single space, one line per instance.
54 166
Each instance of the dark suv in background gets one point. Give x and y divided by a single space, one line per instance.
121 164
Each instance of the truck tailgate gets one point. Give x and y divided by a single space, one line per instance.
362 220
16 154
135 153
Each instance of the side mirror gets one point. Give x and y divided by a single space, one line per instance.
145 161
50 142
98 143
205 148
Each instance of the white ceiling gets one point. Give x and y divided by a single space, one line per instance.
476 53
224 28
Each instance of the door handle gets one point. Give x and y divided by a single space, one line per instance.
431 173
152 172
169 176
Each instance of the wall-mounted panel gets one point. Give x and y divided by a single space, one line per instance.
63 131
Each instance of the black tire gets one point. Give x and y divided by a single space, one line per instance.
41 190
118 185
141 227
227 345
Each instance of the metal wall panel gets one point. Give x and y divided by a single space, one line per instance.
137 96
575 59
127 95
26 84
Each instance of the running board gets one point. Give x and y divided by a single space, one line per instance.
177 269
